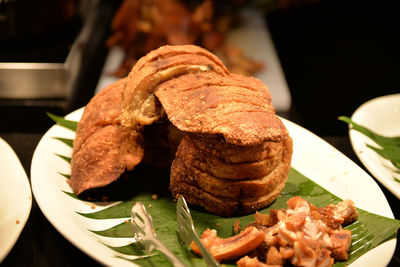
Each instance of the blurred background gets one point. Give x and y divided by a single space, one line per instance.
320 59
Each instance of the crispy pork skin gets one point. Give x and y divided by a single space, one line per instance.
235 155
140 106
105 155
227 197
243 115
103 148
103 109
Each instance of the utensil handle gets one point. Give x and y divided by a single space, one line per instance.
168 253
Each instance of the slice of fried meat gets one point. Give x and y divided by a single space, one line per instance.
238 189
104 149
235 111
104 156
216 145
207 163
139 103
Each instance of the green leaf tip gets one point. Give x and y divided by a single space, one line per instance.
67 159
69 142
68 176
70 194
72 125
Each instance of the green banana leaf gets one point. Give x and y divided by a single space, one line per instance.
389 146
368 231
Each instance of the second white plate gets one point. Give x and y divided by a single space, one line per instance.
15 198
381 115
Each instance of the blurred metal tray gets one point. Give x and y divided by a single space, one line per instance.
33 80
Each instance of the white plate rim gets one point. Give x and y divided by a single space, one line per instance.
372 161
85 241
15 181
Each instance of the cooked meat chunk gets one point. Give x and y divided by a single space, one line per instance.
232 247
292 236
341 242
252 262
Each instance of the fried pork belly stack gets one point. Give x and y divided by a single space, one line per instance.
235 154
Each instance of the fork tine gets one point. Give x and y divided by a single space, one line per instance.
145 231
141 218
187 232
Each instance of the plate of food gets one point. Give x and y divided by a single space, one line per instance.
15 198
209 144
374 127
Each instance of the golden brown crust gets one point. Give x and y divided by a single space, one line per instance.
226 197
235 156
171 50
242 114
103 148
139 104
216 167
103 109
105 155
218 147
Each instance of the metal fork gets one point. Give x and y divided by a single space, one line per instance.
187 233
145 235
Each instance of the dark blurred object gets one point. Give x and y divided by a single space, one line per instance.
76 48
336 55
21 18
140 26
37 31
92 53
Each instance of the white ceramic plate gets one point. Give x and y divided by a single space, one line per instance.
381 115
15 198
312 156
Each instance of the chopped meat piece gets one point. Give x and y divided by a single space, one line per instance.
274 257
294 236
252 262
303 255
341 242
347 211
232 247
236 227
